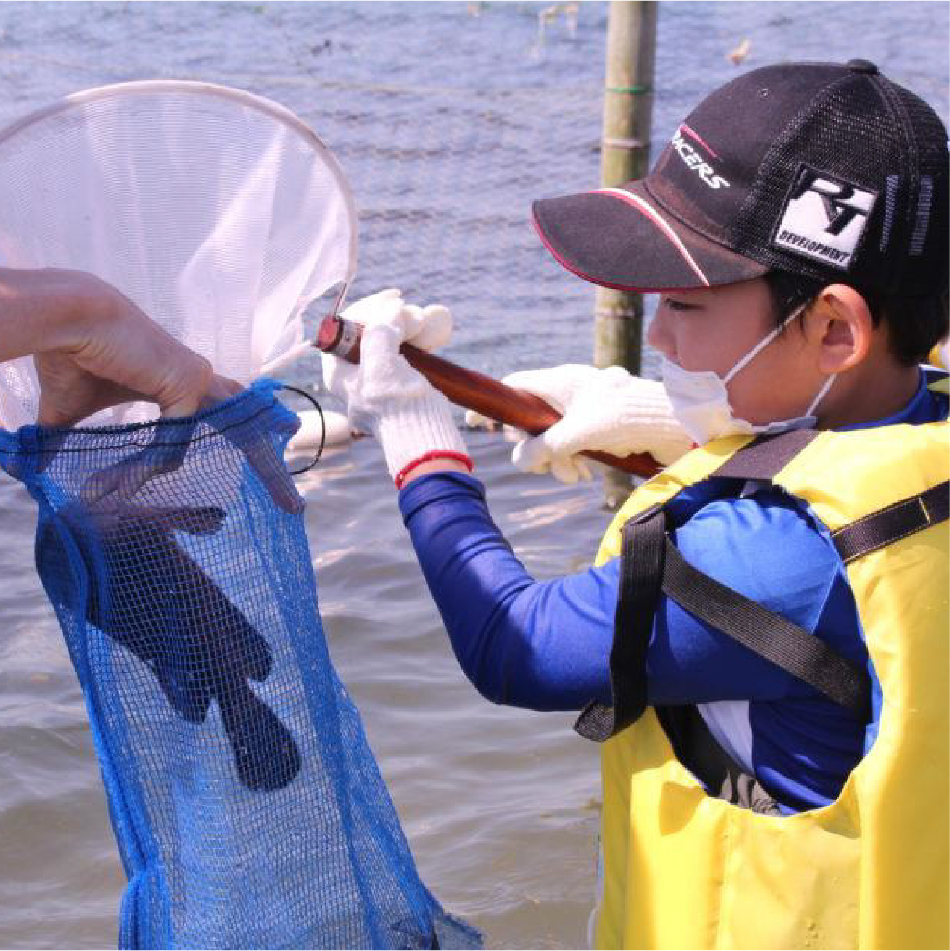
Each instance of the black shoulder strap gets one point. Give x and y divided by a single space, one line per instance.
795 650
893 523
650 563
641 574
766 456
934 374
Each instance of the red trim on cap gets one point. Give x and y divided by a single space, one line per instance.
645 208
596 280
693 134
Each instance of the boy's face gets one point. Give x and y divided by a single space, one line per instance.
713 328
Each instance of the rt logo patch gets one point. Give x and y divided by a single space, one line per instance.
824 219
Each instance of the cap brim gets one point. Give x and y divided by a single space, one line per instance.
621 238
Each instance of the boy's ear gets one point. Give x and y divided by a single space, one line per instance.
840 325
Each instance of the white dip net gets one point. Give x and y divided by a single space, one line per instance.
218 213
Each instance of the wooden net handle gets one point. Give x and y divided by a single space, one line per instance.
472 390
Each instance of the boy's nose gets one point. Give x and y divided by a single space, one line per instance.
658 335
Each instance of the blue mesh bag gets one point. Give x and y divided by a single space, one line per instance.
247 805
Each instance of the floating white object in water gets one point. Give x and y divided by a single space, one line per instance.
307 438
739 53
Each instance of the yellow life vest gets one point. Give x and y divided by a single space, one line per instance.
940 356
685 870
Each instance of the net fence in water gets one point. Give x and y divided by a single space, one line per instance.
443 181
248 807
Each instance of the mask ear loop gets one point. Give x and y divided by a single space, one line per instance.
323 428
763 343
822 393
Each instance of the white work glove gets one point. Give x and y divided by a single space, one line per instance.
603 409
386 396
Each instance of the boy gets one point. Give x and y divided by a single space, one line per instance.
762 643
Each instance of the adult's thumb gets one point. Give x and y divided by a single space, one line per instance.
184 391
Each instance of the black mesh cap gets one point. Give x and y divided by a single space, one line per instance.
825 170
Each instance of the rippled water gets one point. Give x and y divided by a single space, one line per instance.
448 118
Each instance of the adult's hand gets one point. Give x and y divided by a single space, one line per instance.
93 348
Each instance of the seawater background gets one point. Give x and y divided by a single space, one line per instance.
448 118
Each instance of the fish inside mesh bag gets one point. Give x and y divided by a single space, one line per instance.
248 807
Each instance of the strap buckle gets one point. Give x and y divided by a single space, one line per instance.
646 514
891 524
923 508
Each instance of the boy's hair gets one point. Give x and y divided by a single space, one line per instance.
914 324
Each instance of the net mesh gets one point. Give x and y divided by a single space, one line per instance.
247 804
216 212
444 180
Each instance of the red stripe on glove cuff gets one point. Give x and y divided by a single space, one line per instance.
428 457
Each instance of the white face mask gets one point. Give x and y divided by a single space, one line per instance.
700 399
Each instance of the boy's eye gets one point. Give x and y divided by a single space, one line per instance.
678 305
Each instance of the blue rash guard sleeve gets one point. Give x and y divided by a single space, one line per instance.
542 645
546 645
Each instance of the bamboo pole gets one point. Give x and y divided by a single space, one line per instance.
625 155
